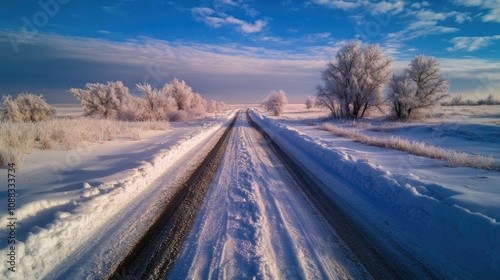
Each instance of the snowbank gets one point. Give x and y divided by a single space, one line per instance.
474 235
49 246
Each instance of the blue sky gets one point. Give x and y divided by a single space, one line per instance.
237 50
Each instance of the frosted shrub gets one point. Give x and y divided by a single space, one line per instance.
27 107
275 102
157 104
215 106
309 102
113 101
107 101
181 92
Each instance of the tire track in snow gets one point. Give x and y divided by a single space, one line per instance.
255 223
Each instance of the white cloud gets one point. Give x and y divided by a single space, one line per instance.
419 29
238 4
383 7
471 44
374 8
461 18
339 4
202 11
492 8
415 5
218 19
426 22
430 15
234 71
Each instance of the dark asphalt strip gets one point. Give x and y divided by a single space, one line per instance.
153 255
380 262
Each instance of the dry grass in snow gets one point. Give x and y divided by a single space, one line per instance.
17 139
454 158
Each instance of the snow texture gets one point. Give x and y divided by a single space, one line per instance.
50 246
461 224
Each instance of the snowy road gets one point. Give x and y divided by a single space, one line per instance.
255 222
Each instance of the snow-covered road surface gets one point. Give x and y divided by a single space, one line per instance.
255 222
85 240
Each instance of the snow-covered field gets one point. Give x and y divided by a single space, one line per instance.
455 209
79 211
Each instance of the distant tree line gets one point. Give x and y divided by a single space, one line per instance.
459 101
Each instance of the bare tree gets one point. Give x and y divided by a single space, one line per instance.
309 102
354 82
275 102
423 85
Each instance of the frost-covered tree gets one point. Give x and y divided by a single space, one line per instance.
157 104
10 110
353 83
175 101
422 85
103 100
211 106
401 92
198 106
181 92
27 107
309 102
275 102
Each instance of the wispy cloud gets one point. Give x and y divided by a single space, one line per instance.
471 44
233 71
241 4
312 38
374 8
218 19
426 22
491 7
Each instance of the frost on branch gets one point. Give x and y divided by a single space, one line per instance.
275 102
353 83
422 85
156 104
27 107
